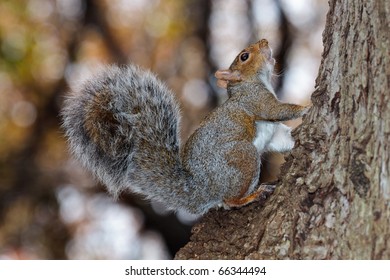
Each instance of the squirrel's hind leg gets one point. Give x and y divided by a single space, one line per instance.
261 194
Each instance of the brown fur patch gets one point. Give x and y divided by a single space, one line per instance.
244 159
100 123
247 122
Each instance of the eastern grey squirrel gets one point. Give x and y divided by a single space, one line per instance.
123 125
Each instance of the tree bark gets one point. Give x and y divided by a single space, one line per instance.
333 201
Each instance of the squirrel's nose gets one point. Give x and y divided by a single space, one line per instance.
263 43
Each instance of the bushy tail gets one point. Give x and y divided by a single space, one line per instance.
123 125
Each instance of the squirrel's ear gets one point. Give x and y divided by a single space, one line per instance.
225 76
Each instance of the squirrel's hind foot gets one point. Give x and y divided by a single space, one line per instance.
261 195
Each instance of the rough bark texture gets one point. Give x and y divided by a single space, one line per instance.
333 201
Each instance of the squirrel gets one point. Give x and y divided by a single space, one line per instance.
123 125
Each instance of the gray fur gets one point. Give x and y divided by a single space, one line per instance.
123 126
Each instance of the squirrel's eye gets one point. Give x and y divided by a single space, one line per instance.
244 56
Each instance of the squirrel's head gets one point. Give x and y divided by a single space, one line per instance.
254 63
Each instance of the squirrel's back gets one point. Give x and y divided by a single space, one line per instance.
123 125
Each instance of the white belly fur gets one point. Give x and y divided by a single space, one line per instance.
273 137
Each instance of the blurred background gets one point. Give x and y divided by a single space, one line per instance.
49 207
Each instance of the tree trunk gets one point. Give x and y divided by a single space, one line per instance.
333 201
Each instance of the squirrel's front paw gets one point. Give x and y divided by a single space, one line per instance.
306 109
